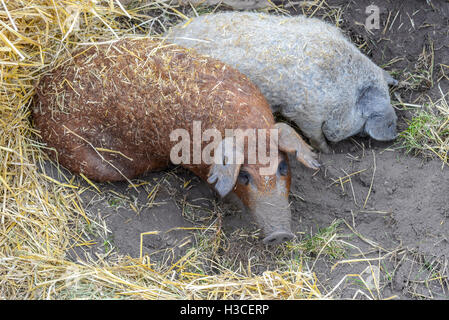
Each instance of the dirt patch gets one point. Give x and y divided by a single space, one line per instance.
392 208
392 203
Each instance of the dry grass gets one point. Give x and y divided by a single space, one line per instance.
41 217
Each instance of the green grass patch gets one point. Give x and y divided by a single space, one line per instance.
324 242
428 131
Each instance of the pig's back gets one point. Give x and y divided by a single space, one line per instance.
290 59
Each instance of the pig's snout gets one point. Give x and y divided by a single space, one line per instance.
278 237
275 224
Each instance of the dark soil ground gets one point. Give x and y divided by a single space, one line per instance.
392 214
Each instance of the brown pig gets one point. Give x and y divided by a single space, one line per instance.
110 112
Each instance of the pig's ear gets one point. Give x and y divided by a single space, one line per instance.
290 142
228 158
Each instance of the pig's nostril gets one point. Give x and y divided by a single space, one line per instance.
278 237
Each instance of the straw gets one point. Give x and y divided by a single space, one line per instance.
42 217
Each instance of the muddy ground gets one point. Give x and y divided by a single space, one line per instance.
393 212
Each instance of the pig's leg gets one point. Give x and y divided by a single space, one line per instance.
99 166
105 166
318 141
313 131
81 154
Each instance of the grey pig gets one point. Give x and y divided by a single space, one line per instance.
306 68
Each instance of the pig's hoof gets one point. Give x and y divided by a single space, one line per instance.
278 237
321 146
311 162
325 149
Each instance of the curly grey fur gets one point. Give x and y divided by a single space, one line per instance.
305 67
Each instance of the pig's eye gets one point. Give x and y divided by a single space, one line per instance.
243 177
283 168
